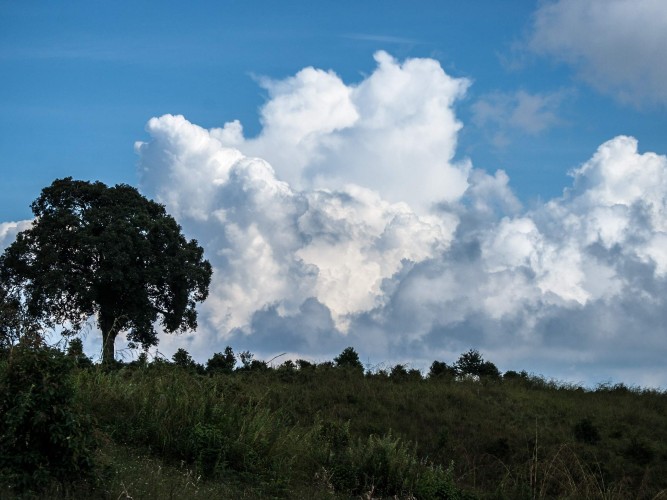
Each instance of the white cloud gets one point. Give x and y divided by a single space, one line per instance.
399 251
616 45
387 133
335 235
271 245
618 203
309 258
9 230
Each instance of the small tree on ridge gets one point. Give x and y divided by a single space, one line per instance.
349 359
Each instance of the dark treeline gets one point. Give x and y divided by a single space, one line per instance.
240 427
470 364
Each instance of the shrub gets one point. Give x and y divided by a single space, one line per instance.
586 432
43 439
249 363
440 369
222 362
349 359
75 351
514 375
639 451
398 373
472 364
381 467
304 365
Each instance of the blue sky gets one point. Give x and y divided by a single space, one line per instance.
80 80
541 87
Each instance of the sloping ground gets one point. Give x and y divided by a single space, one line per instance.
164 431
279 430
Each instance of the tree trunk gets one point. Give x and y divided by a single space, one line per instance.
109 332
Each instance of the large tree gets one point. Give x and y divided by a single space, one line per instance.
109 252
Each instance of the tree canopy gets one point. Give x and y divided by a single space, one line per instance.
349 359
109 252
472 363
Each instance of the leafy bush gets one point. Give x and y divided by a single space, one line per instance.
639 451
183 359
222 362
249 363
586 432
43 438
440 369
513 375
75 351
472 363
349 359
378 466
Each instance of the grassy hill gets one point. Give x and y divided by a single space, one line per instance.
174 430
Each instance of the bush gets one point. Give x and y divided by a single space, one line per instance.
43 439
472 363
381 467
440 369
398 373
183 359
250 364
349 359
222 362
513 375
75 351
586 432
639 452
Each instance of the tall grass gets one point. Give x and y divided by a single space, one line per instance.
329 432
234 435
514 438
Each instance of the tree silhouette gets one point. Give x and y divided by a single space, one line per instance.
472 363
349 359
222 362
110 252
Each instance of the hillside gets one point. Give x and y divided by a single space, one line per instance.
330 431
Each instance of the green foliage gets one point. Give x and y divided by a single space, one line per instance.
639 451
249 363
436 482
513 375
349 359
304 365
472 363
43 436
287 366
440 369
221 362
183 359
75 352
398 372
15 323
229 435
382 467
586 432
108 251
306 430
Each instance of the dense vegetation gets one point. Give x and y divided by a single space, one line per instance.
176 429
109 252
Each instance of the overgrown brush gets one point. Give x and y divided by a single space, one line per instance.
46 441
232 436
331 431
